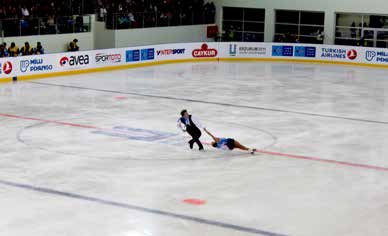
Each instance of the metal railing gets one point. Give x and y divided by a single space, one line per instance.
155 19
45 25
371 37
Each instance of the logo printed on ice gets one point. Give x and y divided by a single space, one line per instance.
205 51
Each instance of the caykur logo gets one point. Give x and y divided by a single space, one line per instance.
7 67
205 51
64 61
352 54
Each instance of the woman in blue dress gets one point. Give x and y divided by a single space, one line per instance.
228 143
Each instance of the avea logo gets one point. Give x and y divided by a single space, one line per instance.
74 60
64 61
205 51
7 68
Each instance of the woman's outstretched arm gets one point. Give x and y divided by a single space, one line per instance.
214 138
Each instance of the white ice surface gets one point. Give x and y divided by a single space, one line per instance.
345 118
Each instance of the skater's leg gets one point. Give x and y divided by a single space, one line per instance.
191 143
196 139
240 146
199 144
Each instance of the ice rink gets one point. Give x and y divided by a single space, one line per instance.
100 154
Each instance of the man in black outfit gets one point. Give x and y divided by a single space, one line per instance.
190 125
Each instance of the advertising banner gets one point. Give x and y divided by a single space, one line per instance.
65 62
245 50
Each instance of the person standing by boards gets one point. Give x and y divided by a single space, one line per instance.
192 126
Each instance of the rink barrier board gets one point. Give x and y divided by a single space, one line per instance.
156 63
24 68
305 61
104 69
123 67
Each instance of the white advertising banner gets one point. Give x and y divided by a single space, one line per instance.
65 62
186 51
245 50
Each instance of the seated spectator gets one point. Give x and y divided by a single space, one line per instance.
51 25
362 42
13 50
353 30
26 50
3 51
320 36
39 49
25 12
79 23
102 13
73 47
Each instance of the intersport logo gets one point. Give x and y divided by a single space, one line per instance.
75 60
205 51
167 52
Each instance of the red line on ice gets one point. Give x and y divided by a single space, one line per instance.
316 159
48 121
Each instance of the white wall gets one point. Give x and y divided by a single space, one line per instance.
330 7
161 35
54 43
102 38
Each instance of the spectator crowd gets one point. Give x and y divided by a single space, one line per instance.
20 17
32 17
130 13
151 13
44 8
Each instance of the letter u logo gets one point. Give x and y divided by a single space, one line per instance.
233 49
